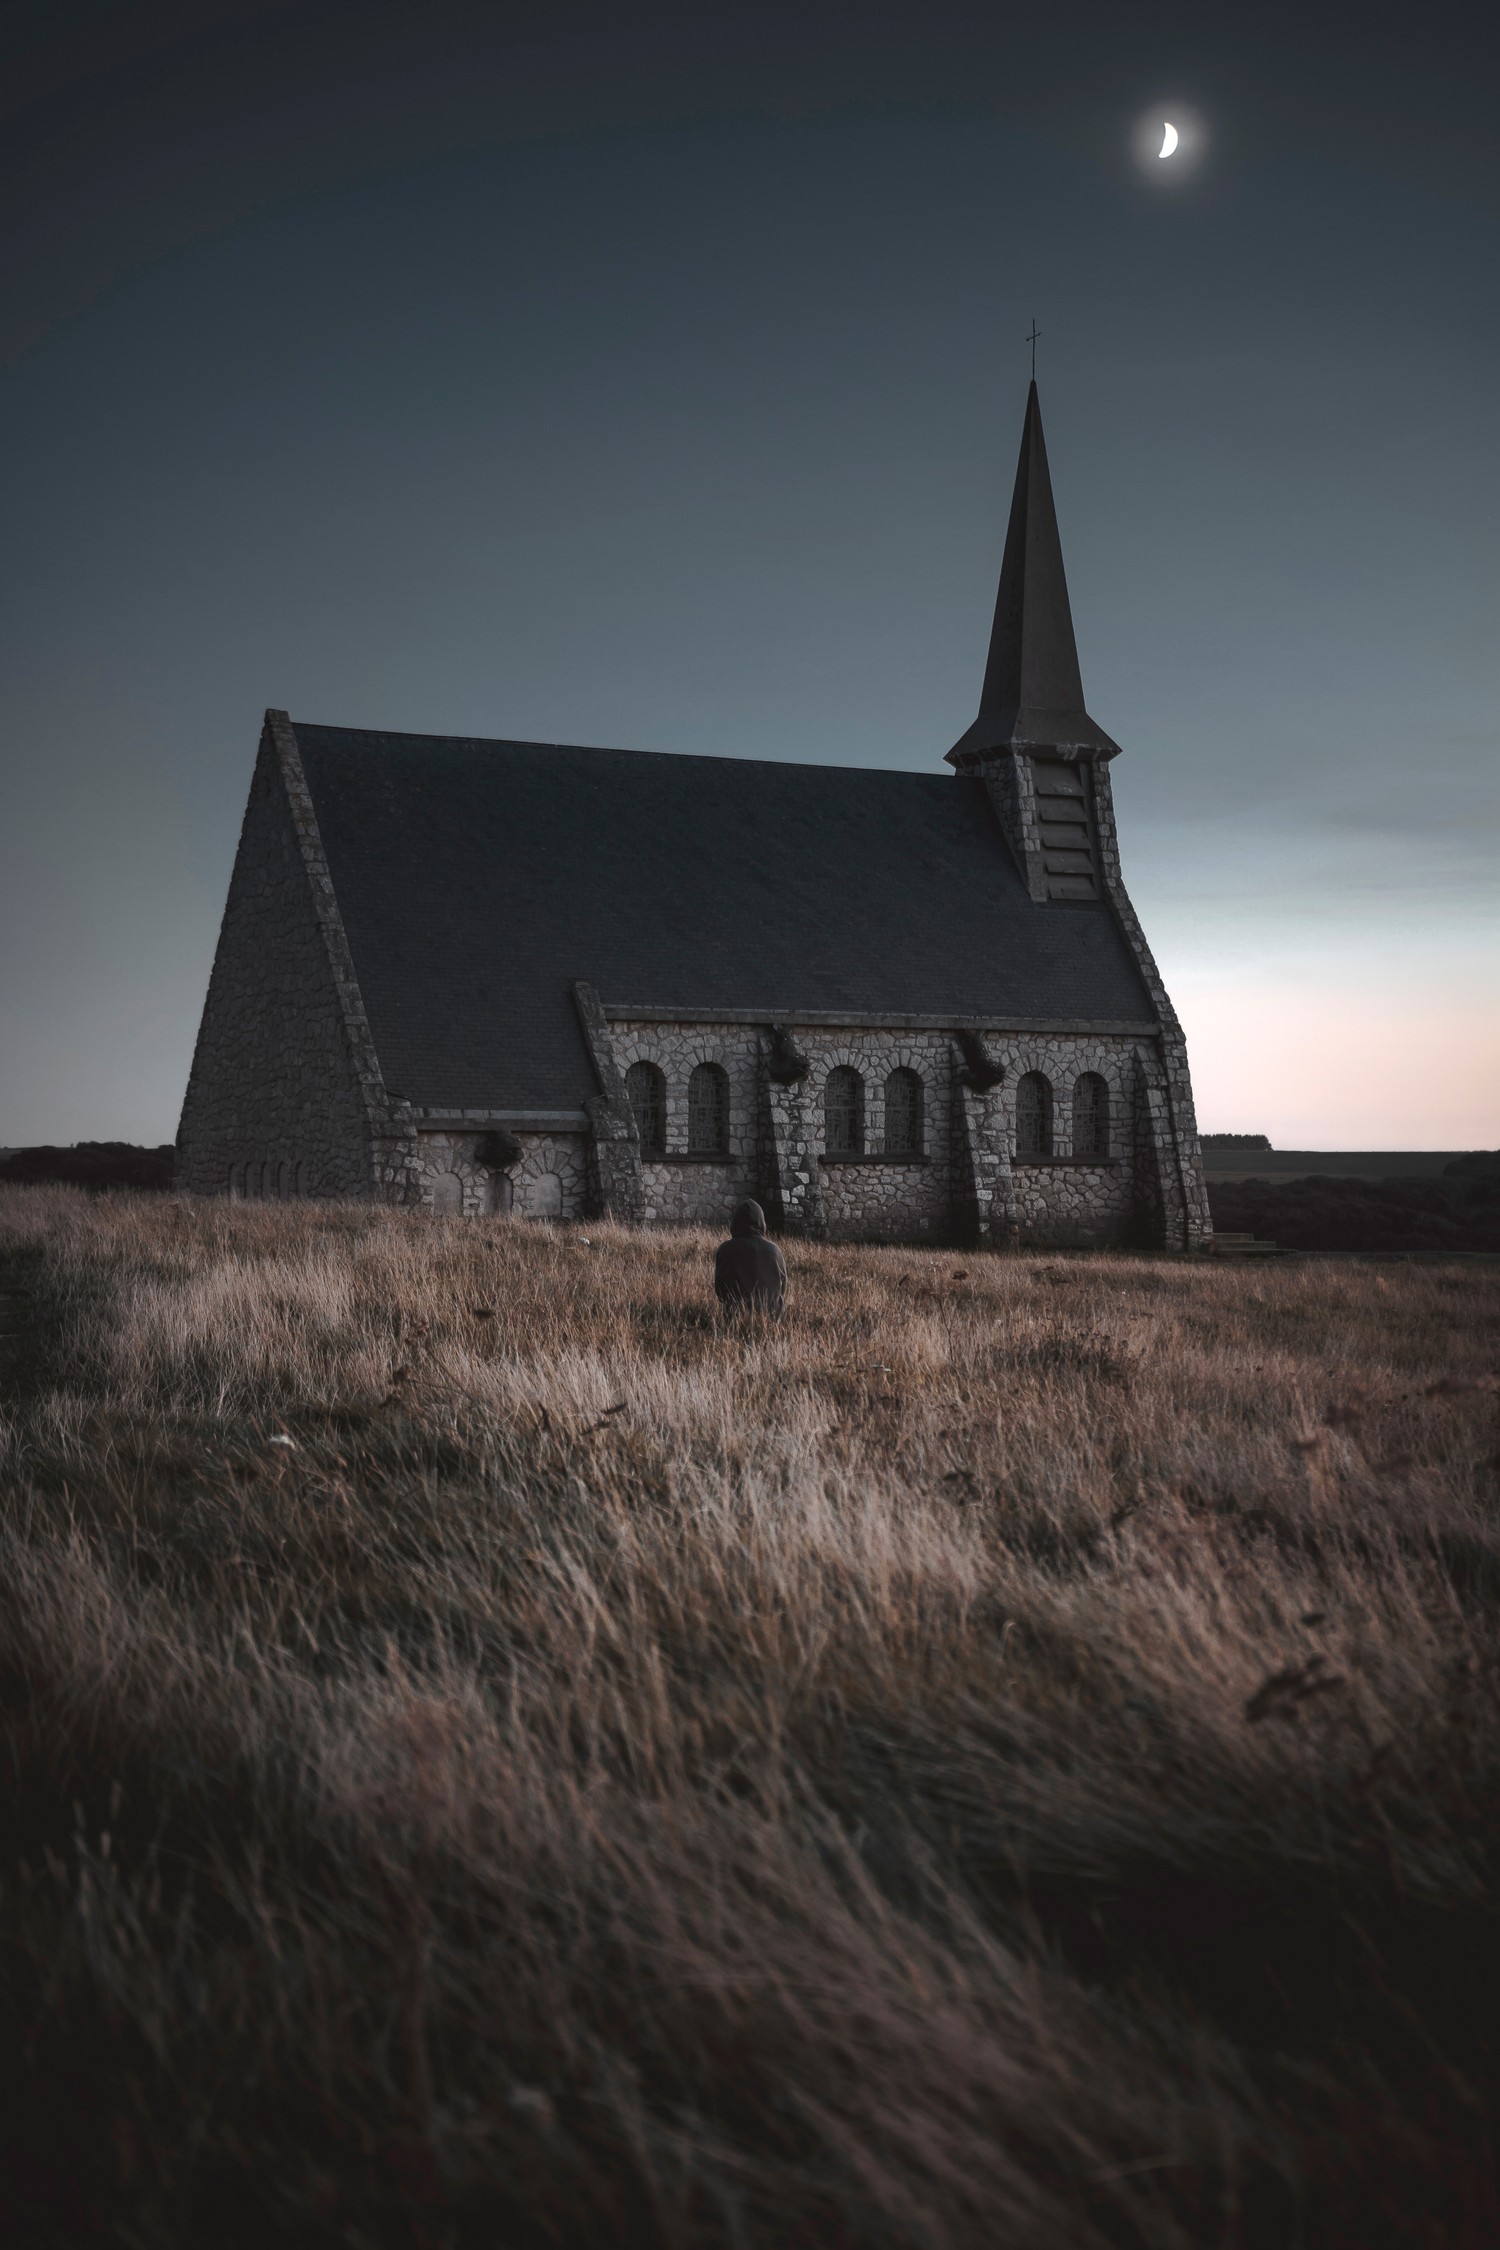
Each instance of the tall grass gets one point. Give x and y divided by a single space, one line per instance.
1007 1755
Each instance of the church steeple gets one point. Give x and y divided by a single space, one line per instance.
1033 693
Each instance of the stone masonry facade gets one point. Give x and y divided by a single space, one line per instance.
965 1183
549 1179
286 1096
776 1145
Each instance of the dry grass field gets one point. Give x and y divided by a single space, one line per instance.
1008 1757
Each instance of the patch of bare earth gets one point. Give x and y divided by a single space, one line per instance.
1009 1755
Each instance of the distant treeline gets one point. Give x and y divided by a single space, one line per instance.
1234 1140
91 1164
1460 1211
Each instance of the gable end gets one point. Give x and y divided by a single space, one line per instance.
285 1093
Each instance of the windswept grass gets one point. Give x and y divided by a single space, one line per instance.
1008 1756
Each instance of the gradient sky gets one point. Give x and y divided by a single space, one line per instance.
654 377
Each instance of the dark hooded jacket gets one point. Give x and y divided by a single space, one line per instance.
749 1270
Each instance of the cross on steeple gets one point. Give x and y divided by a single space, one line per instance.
1032 340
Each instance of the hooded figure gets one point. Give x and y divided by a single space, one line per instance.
749 1270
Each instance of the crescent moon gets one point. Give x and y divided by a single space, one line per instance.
1168 141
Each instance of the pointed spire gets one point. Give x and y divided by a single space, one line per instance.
1033 694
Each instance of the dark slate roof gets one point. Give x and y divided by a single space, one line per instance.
1033 690
478 880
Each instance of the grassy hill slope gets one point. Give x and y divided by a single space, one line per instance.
1010 1755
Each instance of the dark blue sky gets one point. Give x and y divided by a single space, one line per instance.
641 382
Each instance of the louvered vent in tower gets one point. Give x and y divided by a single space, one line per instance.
1066 821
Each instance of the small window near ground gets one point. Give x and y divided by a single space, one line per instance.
1090 1116
647 1089
1034 1116
708 1111
844 1112
903 1114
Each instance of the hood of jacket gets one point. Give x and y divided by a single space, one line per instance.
748 1218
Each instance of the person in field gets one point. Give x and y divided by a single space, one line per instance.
749 1270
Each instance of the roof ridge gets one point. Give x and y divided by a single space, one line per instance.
614 750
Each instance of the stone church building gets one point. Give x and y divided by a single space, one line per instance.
522 977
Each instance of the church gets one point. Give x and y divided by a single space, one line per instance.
531 979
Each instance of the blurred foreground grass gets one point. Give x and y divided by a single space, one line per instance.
1009 1755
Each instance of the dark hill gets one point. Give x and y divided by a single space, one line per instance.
90 1164
1460 1211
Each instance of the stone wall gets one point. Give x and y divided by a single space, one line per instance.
873 1197
683 1188
275 1103
1068 1198
549 1179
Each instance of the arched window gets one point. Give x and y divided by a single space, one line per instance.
236 1183
844 1112
304 1180
1090 1116
647 1089
903 1114
708 1110
447 1192
284 1180
1034 1116
546 1196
